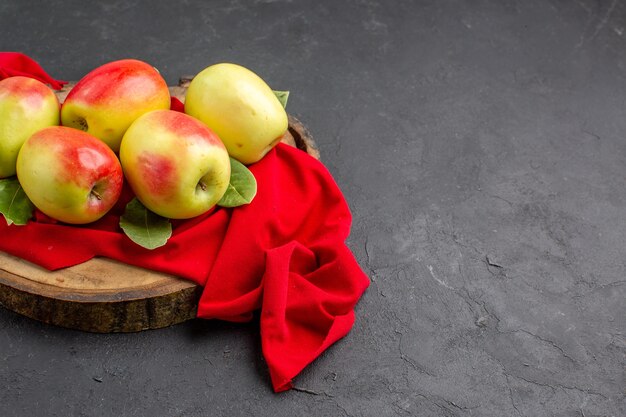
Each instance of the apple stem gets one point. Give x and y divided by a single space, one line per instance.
202 186
95 194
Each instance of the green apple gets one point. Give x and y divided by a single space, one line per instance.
177 167
69 175
26 106
108 99
240 107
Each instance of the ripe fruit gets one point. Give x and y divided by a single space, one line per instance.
26 106
240 107
108 99
177 167
69 175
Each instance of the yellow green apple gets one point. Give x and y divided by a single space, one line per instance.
69 175
240 107
26 106
108 99
176 166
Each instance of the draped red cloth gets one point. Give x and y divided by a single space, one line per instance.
16 63
284 255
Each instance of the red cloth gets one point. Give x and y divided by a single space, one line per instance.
15 63
177 105
284 254
287 248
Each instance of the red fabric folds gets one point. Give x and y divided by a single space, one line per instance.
288 249
283 254
16 63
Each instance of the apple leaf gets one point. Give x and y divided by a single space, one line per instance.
242 187
282 96
145 228
14 204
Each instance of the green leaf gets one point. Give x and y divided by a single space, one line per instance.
144 227
14 204
282 96
242 187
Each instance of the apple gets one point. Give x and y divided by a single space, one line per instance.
240 107
108 99
26 106
69 175
176 166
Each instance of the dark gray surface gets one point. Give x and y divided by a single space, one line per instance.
482 148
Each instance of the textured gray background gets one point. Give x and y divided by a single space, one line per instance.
482 148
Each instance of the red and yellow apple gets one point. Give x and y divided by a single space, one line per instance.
69 175
240 107
176 166
107 100
26 106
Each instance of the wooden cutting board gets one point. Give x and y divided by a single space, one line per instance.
103 295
